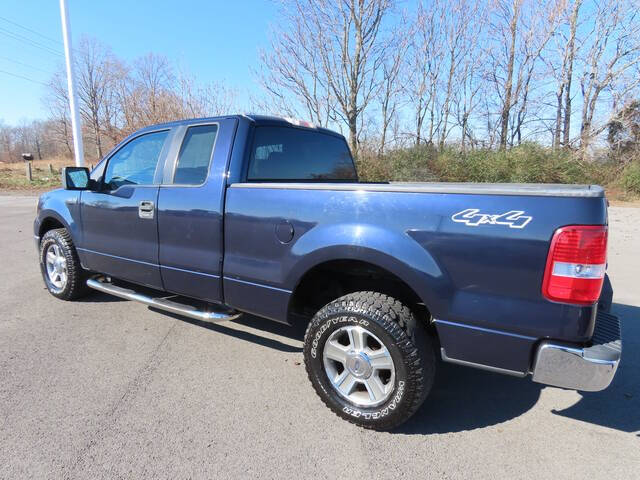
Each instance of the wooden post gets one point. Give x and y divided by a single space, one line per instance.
28 167
51 169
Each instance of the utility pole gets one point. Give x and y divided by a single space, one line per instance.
76 124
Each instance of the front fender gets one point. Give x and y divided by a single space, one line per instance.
64 207
393 251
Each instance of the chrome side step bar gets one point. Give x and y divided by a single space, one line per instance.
190 311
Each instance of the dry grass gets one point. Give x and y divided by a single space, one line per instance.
13 175
56 162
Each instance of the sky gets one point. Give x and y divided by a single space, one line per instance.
213 40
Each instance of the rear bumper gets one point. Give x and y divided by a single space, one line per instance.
590 368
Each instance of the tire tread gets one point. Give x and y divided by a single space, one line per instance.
76 283
400 323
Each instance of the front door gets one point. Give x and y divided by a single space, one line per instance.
119 221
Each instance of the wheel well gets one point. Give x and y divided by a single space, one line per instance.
47 224
333 279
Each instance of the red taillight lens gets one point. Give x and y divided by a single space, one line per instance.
576 264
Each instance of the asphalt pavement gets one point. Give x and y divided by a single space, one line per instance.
105 388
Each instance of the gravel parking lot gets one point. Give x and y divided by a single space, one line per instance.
107 388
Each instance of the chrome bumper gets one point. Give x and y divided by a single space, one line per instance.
589 368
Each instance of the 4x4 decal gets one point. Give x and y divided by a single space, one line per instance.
473 218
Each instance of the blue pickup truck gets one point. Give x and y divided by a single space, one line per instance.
213 217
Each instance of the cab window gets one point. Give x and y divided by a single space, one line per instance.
295 154
135 163
195 155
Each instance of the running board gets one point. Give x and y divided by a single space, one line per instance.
163 303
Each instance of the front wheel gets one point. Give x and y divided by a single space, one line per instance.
369 360
60 266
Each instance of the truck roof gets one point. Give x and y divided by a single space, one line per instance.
252 118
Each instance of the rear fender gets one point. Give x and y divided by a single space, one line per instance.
395 252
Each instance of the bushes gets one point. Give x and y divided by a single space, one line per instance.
528 163
630 178
400 165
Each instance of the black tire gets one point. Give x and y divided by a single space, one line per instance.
75 285
410 347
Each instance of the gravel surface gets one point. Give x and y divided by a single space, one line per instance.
104 388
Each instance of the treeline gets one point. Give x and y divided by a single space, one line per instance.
116 98
466 76
481 74
36 137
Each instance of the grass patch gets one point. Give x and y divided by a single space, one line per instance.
13 175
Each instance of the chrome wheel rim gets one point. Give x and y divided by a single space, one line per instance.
56 264
359 366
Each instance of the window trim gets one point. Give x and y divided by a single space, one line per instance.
249 150
161 157
174 155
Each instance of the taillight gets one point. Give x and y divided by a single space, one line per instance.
576 264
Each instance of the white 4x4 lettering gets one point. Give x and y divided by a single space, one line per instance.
473 218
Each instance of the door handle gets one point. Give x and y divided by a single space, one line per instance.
146 209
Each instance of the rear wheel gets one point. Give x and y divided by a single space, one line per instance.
369 360
60 266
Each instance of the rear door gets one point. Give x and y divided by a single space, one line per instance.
190 209
119 221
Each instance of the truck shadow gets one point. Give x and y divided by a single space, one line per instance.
618 406
466 399
463 398
228 328
99 297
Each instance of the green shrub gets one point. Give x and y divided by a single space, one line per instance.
630 178
528 163
412 164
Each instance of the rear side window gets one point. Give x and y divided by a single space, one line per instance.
294 154
195 155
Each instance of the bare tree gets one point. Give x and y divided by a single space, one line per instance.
154 85
292 69
94 67
204 100
469 76
614 51
520 32
57 101
459 19
623 132
390 92
560 64
425 66
538 25
568 77
328 56
508 16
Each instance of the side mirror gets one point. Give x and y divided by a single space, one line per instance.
75 178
